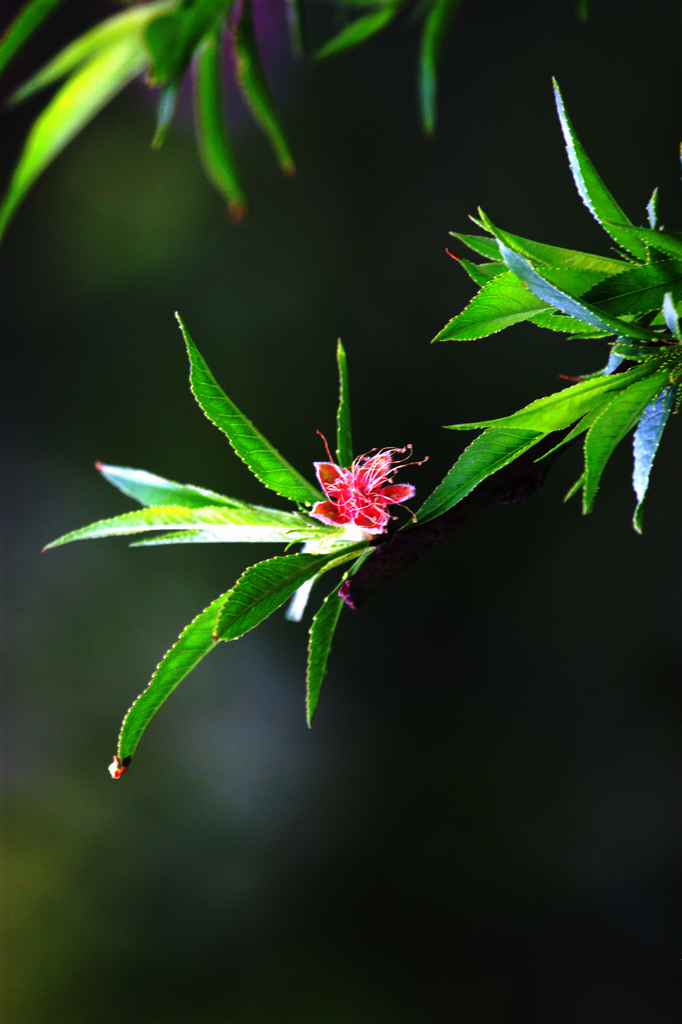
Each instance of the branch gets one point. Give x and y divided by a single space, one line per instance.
515 483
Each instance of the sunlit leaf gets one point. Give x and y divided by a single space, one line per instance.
264 588
150 489
592 189
503 301
616 420
554 296
638 290
245 524
492 450
344 440
263 460
194 643
645 444
560 410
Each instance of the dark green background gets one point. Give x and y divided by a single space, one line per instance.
485 824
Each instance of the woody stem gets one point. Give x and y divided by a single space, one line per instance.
510 485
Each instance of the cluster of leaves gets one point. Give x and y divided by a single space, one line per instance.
162 39
189 514
630 299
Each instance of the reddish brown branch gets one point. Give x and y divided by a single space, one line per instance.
514 483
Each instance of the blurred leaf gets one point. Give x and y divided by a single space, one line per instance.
492 450
246 524
344 441
215 148
150 489
125 26
255 89
295 11
360 29
554 296
173 37
262 459
645 444
27 21
264 588
616 420
433 38
592 189
193 644
76 103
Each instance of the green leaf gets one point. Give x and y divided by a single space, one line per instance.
590 267
481 273
173 37
76 103
359 30
255 89
150 489
669 242
638 290
264 588
501 302
213 141
645 444
95 41
616 420
592 189
554 296
484 246
672 319
560 410
344 440
436 27
492 450
27 21
193 644
262 459
319 648
246 524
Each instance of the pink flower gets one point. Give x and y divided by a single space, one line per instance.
360 494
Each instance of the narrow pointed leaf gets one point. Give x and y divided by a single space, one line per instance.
590 267
359 30
130 23
481 273
213 141
669 242
263 460
617 419
173 37
499 304
672 320
26 23
150 489
320 641
296 22
255 88
245 524
194 643
344 440
492 450
652 209
578 308
638 290
592 189
76 103
486 247
435 31
264 588
645 444
560 410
